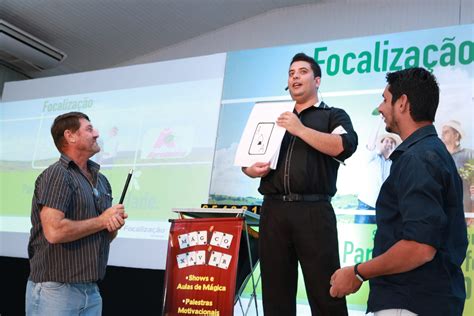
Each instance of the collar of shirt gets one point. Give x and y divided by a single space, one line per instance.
321 105
67 162
419 134
318 106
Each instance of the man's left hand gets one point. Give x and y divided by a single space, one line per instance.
290 122
116 222
344 282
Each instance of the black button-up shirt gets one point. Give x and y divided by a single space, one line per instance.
62 186
302 169
421 200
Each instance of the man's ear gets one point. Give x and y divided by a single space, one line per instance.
317 80
403 104
69 136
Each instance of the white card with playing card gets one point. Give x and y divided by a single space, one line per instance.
261 138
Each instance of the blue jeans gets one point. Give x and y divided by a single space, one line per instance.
364 219
62 299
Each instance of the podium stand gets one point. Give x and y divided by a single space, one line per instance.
244 272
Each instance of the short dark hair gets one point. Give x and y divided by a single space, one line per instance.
63 122
314 65
420 87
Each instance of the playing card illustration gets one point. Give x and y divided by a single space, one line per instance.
260 139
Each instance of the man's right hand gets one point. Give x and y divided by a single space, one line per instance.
258 169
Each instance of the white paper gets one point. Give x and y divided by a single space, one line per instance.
261 139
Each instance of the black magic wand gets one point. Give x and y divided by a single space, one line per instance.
126 186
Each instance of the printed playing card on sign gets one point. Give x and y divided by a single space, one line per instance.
216 238
202 237
226 241
182 260
215 258
183 241
200 257
193 238
191 258
225 261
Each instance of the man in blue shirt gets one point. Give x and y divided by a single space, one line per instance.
421 238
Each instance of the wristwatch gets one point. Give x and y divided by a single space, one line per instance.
357 274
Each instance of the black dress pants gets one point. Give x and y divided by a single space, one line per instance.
304 232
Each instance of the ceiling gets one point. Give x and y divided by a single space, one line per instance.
97 34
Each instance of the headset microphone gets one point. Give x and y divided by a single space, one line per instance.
286 89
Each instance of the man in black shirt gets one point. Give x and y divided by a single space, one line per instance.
73 223
297 221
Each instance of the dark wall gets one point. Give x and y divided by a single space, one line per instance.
125 291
